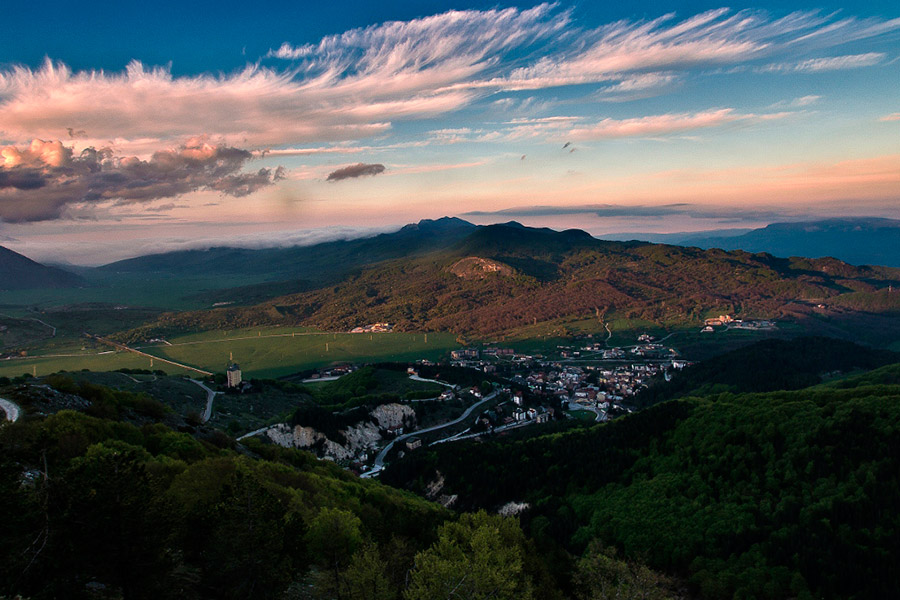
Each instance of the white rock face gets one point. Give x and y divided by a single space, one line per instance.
392 415
511 509
360 437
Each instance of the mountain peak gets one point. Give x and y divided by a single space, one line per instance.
18 272
442 224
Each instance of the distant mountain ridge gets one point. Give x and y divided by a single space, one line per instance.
316 263
858 241
18 272
554 278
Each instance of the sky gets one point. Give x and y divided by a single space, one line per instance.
132 128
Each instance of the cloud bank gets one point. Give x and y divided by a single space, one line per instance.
697 211
40 181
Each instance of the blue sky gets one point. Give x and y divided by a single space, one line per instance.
128 128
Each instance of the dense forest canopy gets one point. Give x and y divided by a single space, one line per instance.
781 494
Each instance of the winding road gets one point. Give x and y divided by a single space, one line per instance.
210 396
11 409
379 460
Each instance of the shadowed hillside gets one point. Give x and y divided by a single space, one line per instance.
20 273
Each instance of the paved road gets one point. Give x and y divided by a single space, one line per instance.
48 325
12 410
256 432
210 395
417 378
151 356
379 460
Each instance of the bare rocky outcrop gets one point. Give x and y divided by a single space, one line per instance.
475 267
393 415
362 437
511 509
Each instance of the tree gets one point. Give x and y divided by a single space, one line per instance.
333 537
601 575
480 557
112 528
365 577
248 552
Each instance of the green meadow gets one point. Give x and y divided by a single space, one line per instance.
45 365
261 352
274 352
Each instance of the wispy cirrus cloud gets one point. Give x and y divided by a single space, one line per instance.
40 181
570 128
828 63
891 117
799 102
666 124
654 125
354 85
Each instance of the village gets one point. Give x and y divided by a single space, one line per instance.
490 390
593 377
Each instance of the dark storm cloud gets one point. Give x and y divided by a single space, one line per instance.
357 170
39 182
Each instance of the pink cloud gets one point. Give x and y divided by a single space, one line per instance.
45 179
654 125
355 85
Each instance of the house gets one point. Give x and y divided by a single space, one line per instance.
447 395
413 443
720 320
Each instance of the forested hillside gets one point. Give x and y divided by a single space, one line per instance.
542 276
768 366
775 495
102 500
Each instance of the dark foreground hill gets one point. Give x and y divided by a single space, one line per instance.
774 495
506 278
108 502
18 272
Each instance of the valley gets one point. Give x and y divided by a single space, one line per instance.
482 357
